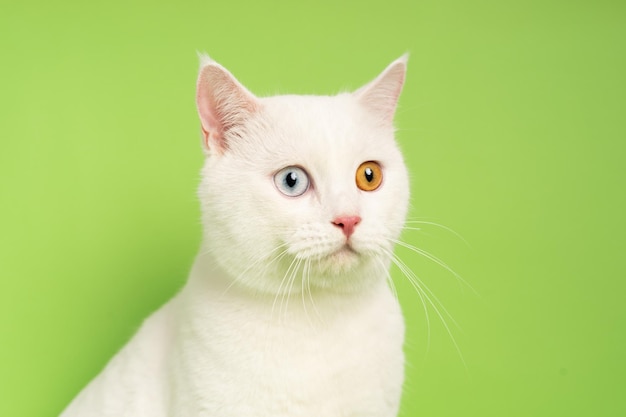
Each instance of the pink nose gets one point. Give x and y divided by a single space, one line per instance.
347 224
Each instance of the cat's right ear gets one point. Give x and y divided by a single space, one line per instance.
223 104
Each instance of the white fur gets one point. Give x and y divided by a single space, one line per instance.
278 318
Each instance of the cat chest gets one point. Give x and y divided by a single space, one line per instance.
294 364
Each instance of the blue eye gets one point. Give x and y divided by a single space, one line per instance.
292 181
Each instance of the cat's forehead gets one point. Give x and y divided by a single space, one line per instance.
311 112
320 126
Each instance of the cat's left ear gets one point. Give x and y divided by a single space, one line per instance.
223 105
381 95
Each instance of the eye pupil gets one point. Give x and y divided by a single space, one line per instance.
291 179
369 174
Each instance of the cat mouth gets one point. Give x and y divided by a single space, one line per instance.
344 255
346 248
340 261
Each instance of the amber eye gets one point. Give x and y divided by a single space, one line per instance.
369 176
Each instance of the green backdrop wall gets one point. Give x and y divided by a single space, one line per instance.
512 122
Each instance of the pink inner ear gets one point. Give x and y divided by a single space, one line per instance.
209 124
222 103
205 135
206 100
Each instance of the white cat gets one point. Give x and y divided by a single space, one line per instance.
287 310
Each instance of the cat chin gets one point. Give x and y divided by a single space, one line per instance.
340 261
344 270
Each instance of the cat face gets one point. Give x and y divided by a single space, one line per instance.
301 190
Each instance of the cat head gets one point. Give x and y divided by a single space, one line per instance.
301 191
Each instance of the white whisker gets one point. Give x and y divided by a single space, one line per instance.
389 279
418 283
441 226
308 284
436 260
257 262
427 291
412 228
287 295
278 292
306 312
418 289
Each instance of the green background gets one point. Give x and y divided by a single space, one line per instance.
512 123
